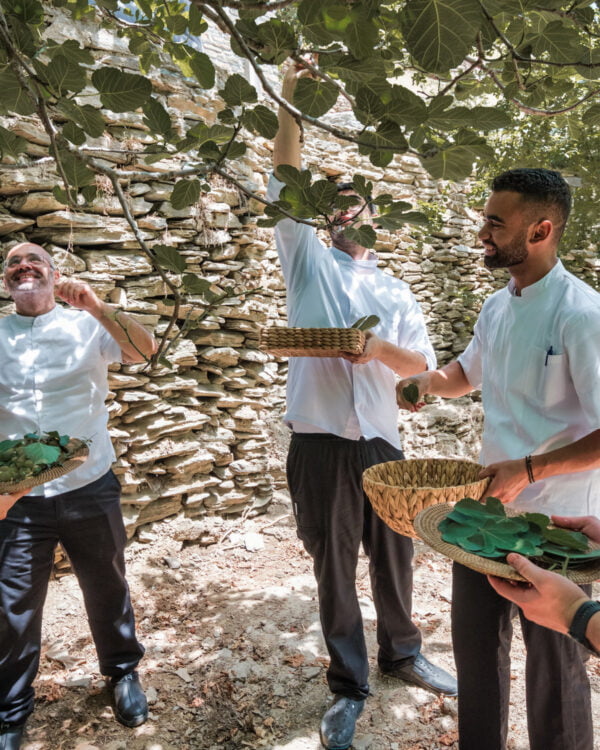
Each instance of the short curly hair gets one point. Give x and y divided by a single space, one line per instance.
544 187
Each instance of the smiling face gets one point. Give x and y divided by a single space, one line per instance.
505 231
29 278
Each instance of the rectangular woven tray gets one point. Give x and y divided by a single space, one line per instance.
311 342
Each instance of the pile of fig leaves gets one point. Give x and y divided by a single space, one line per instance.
484 529
30 455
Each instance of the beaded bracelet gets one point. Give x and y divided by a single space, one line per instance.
580 623
529 469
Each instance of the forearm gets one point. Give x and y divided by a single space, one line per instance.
582 455
287 147
403 362
449 382
137 344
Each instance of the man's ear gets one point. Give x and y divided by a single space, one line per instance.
541 231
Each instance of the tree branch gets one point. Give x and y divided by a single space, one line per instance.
535 110
293 111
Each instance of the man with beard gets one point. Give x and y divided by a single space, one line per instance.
53 376
344 418
535 354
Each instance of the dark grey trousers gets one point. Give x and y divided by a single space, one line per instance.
89 524
557 688
333 517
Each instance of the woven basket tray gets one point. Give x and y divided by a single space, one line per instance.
311 342
426 526
79 452
398 490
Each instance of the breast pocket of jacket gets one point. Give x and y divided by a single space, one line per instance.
556 379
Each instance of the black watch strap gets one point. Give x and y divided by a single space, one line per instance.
580 622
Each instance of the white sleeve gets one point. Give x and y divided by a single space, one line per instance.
298 246
109 348
413 335
470 359
582 344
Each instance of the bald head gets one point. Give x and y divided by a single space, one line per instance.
25 249
29 277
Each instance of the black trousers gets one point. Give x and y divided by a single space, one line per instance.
89 524
333 517
557 688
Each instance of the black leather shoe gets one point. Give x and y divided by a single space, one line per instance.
337 725
426 675
131 706
10 736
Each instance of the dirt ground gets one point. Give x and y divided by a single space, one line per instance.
234 656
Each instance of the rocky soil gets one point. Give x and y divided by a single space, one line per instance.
234 654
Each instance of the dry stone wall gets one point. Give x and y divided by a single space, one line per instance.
204 439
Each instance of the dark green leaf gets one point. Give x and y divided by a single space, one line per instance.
169 258
195 285
10 144
456 161
215 133
74 53
410 393
261 120
364 236
314 98
293 177
121 92
75 170
73 133
156 117
557 42
322 194
203 69
591 116
13 98
87 117
30 12
185 193
439 34
238 91
278 39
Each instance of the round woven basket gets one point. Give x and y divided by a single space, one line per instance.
78 451
426 526
398 490
311 342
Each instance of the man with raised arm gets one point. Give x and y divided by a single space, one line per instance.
343 417
53 377
535 354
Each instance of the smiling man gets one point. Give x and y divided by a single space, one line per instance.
344 418
535 354
53 376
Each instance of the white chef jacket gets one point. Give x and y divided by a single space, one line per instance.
326 288
53 376
536 358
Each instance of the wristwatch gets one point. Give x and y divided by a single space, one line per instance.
580 623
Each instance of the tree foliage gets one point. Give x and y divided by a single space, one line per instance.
439 79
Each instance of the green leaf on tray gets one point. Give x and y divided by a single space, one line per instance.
366 322
42 454
484 529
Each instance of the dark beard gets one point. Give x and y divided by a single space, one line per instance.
509 255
